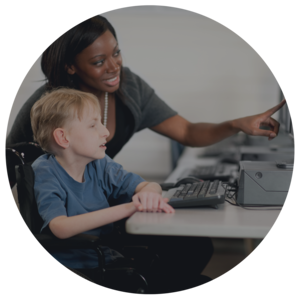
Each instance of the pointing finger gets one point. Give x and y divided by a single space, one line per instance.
273 110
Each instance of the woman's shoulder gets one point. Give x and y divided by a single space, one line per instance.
135 87
133 80
37 95
25 110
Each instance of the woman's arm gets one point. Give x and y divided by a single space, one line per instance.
64 227
205 134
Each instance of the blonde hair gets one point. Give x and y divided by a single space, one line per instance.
54 109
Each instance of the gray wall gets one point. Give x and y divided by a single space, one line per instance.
201 69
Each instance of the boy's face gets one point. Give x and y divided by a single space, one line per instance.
87 137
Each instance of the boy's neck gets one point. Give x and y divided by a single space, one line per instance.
75 168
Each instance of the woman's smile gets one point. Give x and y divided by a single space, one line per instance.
113 81
99 65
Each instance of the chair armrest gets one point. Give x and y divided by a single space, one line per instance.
80 241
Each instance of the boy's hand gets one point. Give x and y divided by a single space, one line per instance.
151 202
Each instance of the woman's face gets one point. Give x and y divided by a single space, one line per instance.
98 66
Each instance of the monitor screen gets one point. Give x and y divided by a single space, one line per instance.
288 113
284 115
282 112
291 130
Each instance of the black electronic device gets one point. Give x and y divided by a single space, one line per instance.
169 185
185 180
292 130
197 194
285 117
229 160
283 111
220 171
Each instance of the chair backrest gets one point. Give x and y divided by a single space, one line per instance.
27 204
20 172
18 154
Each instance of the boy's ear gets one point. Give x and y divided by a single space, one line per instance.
70 69
60 137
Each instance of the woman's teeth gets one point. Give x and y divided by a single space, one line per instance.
113 79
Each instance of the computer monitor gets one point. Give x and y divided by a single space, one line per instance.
282 112
285 117
292 130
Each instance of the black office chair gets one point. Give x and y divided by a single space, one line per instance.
128 274
121 275
15 154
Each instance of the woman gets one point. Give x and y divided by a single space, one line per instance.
88 58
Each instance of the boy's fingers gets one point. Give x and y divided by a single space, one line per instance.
144 202
149 203
168 208
155 204
136 201
139 202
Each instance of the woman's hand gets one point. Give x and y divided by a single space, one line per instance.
206 134
251 125
151 202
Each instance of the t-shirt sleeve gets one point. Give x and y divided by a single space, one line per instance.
153 109
49 195
119 184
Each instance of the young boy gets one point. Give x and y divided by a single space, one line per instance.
74 182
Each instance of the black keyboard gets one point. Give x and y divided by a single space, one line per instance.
221 171
205 193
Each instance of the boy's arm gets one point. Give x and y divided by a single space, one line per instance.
148 187
64 227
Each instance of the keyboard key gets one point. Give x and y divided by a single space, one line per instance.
214 187
203 195
177 193
192 188
198 188
185 189
204 189
174 194
196 191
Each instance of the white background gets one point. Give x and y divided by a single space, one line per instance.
200 68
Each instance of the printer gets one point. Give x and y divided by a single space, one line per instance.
263 183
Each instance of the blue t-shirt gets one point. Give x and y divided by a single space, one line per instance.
58 194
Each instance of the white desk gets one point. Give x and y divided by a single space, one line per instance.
227 221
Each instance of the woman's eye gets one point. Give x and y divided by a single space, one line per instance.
99 62
117 52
